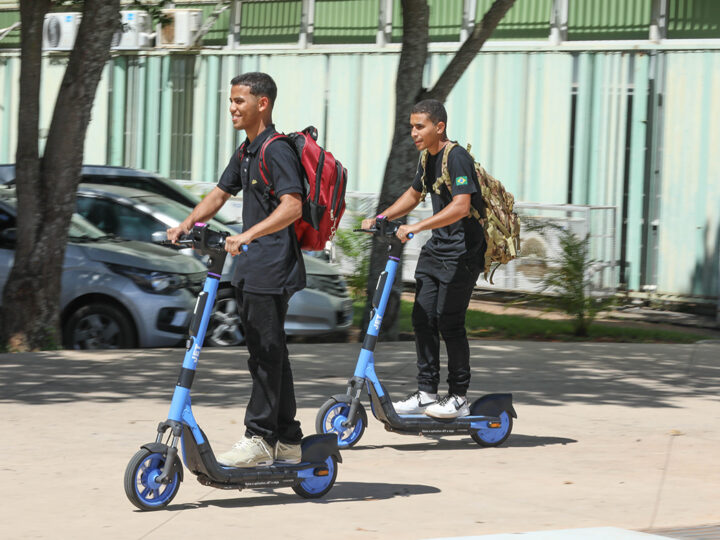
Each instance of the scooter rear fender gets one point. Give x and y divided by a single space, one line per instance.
316 448
493 405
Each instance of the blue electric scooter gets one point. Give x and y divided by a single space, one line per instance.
153 475
491 416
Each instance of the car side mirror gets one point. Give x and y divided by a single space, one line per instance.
159 236
8 237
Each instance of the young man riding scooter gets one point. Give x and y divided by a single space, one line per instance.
448 266
267 275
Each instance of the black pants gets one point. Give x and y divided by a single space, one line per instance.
271 410
442 294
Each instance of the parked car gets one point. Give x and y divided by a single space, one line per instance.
114 293
323 307
126 177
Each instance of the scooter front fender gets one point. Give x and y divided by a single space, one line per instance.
161 448
342 398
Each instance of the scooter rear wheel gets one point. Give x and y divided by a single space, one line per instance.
331 416
494 436
316 486
140 485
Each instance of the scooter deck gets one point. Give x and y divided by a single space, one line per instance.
201 461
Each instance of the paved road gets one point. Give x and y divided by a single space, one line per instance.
608 435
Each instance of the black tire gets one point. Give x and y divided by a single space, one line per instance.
317 486
99 326
225 328
138 482
332 413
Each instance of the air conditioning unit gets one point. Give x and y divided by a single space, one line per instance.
59 31
136 32
181 30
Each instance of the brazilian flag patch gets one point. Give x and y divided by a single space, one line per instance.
461 181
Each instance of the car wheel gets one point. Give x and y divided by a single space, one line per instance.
99 326
225 328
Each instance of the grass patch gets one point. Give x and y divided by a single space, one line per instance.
488 325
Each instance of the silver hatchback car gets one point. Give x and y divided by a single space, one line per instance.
114 293
322 308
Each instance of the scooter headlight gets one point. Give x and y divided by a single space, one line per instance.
151 281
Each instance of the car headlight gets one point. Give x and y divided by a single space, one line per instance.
313 281
331 284
149 280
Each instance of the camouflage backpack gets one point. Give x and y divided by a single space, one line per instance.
500 224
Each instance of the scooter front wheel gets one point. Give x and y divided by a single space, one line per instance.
494 436
331 417
141 486
321 481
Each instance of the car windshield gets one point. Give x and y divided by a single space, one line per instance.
82 229
175 210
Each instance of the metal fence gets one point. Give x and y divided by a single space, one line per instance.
540 249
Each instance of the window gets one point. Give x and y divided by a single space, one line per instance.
122 221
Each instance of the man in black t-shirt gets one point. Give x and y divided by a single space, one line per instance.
267 274
448 266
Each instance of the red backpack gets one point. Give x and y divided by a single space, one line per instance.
325 184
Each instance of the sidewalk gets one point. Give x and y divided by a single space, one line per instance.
607 435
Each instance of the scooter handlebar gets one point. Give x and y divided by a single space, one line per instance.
211 239
384 227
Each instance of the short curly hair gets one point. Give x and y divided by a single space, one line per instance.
260 84
433 108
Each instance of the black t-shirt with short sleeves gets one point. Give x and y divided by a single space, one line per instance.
273 264
464 238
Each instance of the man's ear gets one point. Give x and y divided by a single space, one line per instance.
440 126
263 103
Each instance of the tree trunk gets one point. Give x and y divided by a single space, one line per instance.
402 162
46 187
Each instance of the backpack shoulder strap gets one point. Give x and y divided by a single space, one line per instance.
445 175
423 164
241 151
262 165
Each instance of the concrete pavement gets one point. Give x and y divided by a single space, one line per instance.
622 436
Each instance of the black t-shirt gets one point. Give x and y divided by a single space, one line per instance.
464 238
273 264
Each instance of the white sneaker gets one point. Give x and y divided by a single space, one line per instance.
288 453
248 452
415 403
450 406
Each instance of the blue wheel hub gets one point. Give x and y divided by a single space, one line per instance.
148 489
314 484
334 419
493 435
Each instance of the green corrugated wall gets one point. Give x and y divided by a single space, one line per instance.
555 127
270 22
610 19
346 21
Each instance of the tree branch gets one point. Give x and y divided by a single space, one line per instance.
467 52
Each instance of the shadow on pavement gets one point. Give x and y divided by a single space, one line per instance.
432 443
537 373
341 492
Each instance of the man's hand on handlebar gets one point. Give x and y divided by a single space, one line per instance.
234 244
174 234
404 233
368 224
